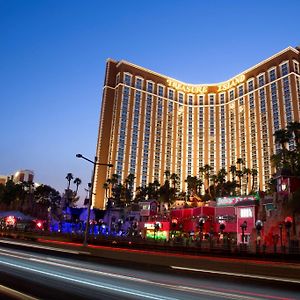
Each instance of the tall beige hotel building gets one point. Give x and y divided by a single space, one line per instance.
151 123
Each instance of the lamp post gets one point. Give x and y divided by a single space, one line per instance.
95 163
243 227
258 226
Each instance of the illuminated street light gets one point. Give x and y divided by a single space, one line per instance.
95 163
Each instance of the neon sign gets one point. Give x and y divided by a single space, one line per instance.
231 83
200 89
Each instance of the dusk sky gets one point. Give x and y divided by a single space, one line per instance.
53 54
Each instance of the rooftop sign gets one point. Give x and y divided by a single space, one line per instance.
202 89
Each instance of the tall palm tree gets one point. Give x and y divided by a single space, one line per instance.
191 184
77 181
247 173
240 174
294 129
174 177
206 169
69 177
221 179
232 170
199 184
106 187
240 163
167 174
254 173
282 137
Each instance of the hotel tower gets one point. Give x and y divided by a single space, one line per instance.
151 123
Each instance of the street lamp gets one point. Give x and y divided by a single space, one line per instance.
95 163
243 227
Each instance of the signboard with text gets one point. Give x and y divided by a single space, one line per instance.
230 201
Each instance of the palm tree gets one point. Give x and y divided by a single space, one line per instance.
221 180
233 171
199 184
254 173
69 177
240 163
167 174
191 184
206 170
174 177
240 174
247 172
106 187
282 137
77 181
294 129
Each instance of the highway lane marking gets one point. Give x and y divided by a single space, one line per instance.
238 274
15 294
97 285
202 291
43 247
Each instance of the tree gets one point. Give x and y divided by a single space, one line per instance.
294 129
254 173
46 198
206 169
282 137
174 178
77 181
69 177
247 172
191 185
221 180
233 172
240 174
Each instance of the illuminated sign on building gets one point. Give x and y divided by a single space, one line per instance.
231 83
230 201
246 212
200 89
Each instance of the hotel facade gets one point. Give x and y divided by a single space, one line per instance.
151 123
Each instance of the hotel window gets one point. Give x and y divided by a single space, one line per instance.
241 93
212 129
201 132
138 83
149 87
272 75
296 67
231 95
190 134
222 130
201 100
261 80
135 125
148 109
160 91
241 90
169 140
275 110
265 134
127 79
250 85
284 68
122 129
118 79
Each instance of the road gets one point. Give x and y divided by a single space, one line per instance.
60 275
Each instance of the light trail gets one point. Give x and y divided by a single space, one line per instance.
15 294
237 274
223 293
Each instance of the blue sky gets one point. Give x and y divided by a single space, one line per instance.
52 64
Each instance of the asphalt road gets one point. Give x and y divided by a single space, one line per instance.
55 275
